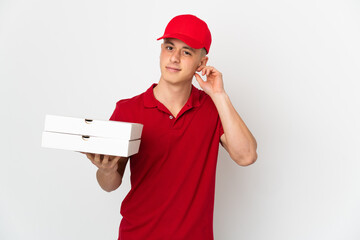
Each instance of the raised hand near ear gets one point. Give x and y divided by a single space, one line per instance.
214 82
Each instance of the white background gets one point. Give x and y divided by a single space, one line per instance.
291 69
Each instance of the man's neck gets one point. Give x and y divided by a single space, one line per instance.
173 96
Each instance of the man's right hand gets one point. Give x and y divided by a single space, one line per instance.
110 170
107 164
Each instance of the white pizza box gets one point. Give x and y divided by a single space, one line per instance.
91 127
94 136
91 144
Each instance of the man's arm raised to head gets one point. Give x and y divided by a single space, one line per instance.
237 139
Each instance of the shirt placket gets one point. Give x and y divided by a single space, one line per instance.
174 121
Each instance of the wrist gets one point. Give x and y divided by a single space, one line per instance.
219 96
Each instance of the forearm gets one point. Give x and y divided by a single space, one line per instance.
240 143
108 181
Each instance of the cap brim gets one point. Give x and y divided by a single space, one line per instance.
189 41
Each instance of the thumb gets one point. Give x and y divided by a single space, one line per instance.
199 79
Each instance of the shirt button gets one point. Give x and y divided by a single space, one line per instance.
171 117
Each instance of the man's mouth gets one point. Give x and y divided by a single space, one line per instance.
173 69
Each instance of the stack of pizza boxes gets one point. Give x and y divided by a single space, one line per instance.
92 136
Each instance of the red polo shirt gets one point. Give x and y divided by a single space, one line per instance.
173 174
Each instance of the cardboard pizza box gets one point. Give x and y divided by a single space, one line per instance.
94 136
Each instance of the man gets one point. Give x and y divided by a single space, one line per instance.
173 174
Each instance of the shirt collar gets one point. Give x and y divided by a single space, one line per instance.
151 102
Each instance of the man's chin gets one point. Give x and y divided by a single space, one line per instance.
176 81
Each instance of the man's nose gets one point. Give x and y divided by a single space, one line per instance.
175 57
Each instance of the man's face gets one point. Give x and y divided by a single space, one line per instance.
179 62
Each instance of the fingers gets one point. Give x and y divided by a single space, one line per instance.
115 161
103 161
199 79
97 159
94 158
207 70
200 68
89 156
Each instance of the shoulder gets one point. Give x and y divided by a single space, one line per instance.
130 102
202 95
128 109
205 100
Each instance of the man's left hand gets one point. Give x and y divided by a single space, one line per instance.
214 82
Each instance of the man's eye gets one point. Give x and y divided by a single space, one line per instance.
187 53
169 48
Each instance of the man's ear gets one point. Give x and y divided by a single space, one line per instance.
202 63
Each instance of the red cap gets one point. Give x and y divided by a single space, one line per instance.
191 30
